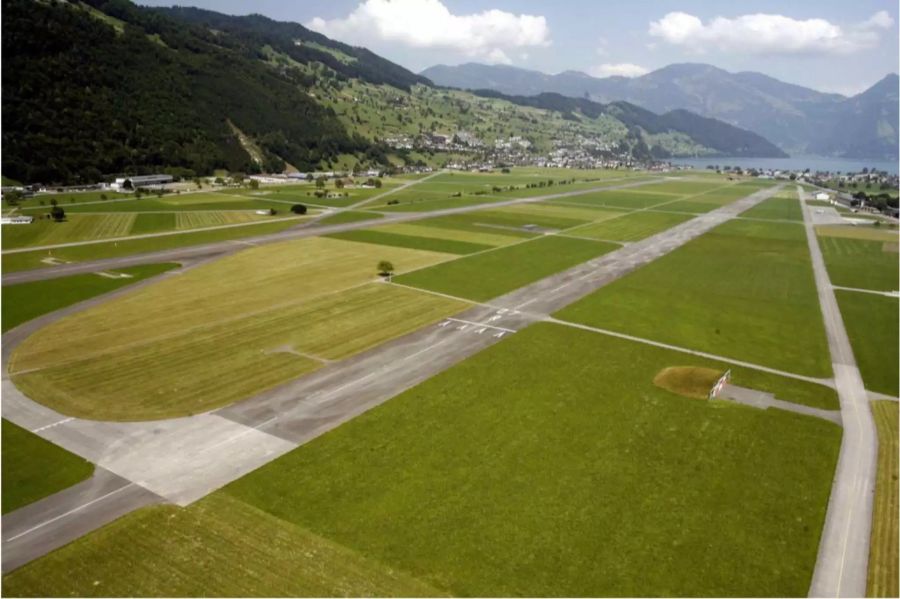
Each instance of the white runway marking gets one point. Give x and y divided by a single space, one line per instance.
466 323
72 511
57 423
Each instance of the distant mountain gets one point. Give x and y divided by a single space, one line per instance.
795 118
721 137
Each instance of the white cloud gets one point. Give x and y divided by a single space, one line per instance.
769 34
625 69
487 35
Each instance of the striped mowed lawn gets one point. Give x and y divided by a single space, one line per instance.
222 332
884 554
197 220
76 227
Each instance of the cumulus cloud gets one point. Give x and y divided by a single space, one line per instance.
487 35
769 34
624 69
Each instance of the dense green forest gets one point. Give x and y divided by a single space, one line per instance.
84 97
720 136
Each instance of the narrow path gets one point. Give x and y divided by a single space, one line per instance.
894 294
184 459
394 190
841 567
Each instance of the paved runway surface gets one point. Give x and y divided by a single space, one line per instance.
183 459
841 567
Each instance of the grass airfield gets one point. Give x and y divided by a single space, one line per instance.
548 464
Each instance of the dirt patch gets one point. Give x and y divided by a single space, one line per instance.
688 381
890 246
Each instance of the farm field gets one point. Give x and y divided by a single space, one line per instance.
860 263
884 553
34 468
872 323
35 259
216 547
631 227
744 290
26 301
784 206
185 345
535 441
491 274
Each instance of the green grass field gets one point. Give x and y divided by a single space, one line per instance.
153 222
34 468
784 206
490 274
547 472
35 259
884 553
744 290
861 263
187 344
77 227
432 244
216 547
631 227
26 301
872 324
480 235
349 216
625 199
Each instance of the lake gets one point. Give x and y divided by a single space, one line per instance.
794 163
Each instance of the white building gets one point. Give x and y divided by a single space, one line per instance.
139 181
16 220
822 196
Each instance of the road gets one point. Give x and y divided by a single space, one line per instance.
304 230
841 566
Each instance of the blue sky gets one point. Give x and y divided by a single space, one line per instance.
830 45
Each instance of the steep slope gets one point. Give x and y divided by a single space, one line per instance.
795 118
82 98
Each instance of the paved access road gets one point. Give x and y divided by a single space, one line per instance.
842 564
221 248
183 459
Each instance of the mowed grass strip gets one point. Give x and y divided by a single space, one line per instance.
218 547
432 244
490 274
76 227
349 216
744 290
884 554
551 465
631 227
784 206
34 468
156 222
623 199
872 324
222 332
35 259
197 220
26 301
484 236
861 263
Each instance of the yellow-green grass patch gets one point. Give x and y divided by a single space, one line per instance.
860 263
218 547
196 220
689 381
884 554
221 332
867 232
631 226
560 211
76 227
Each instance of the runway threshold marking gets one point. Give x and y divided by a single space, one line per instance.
468 323
70 512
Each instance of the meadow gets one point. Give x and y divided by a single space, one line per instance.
186 344
34 468
631 227
521 461
744 290
784 206
860 263
492 273
27 301
872 324
884 552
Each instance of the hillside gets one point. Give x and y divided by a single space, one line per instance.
97 88
795 118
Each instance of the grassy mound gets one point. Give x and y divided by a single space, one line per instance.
690 381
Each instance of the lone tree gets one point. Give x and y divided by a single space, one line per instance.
298 209
58 214
385 268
